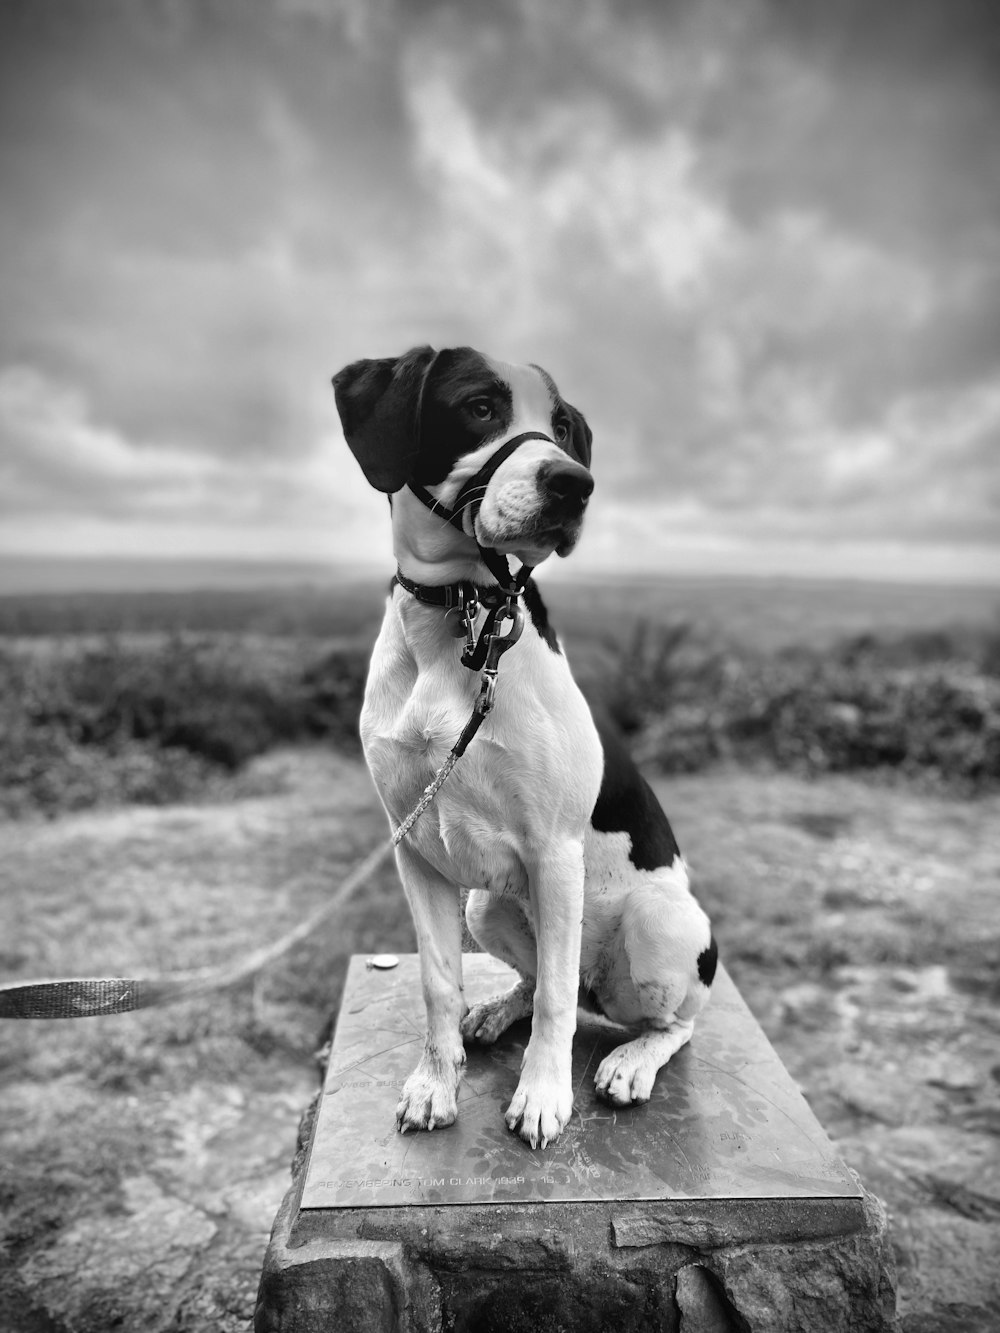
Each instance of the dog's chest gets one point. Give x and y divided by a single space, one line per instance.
532 770
475 832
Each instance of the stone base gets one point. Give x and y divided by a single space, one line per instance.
580 1237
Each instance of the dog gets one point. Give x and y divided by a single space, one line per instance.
575 877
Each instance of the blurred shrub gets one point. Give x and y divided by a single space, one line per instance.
920 705
151 722
332 690
656 667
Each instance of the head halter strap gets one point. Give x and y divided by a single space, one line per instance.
472 493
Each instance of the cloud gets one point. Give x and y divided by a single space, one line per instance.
794 399
561 174
59 460
759 245
63 474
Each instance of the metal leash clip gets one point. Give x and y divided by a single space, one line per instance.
461 619
497 645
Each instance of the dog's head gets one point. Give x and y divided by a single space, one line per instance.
436 419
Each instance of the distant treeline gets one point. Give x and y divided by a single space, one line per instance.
757 613
91 720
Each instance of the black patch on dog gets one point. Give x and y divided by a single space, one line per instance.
626 804
579 437
707 961
448 427
589 1001
377 401
535 608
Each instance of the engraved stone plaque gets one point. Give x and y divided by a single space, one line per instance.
725 1120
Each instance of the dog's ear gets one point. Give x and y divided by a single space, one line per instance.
581 435
379 406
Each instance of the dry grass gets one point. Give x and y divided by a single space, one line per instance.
176 1125
860 922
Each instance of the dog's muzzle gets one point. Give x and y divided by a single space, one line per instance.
471 495
564 486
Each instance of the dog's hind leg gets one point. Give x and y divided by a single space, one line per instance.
501 927
430 1094
665 962
627 1075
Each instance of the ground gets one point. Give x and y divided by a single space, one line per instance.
145 1155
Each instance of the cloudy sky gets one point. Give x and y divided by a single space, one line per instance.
758 243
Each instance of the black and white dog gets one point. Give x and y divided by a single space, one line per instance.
576 878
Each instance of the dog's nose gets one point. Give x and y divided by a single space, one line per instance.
567 486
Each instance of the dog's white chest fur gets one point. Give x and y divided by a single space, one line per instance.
532 767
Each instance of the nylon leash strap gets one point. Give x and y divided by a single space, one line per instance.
90 997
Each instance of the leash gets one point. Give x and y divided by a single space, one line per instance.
90 997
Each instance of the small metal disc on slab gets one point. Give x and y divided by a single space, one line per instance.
383 961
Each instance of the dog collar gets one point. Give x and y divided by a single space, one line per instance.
463 595
448 596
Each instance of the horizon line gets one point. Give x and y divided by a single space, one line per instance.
26 574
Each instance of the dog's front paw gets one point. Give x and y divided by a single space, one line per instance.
540 1109
430 1096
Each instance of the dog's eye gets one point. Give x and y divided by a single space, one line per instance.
481 408
561 430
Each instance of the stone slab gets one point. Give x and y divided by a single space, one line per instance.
725 1120
719 1207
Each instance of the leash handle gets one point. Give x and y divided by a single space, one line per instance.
77 997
